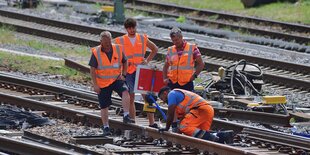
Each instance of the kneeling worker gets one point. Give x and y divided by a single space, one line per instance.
194 113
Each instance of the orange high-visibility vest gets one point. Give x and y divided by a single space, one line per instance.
134 53
191 100
181 67
107 71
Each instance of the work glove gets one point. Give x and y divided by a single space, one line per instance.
148 98
161 130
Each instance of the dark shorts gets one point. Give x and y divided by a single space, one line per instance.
105 94
130 80
188 86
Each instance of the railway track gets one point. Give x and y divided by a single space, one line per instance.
263 27
76 105
276 72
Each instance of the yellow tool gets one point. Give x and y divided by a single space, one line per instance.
269 100
221 72
107 8
274 100
148 108
198 88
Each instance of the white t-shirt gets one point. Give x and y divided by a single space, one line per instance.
132 40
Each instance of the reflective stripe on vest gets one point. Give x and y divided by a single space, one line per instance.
121 39
100 64
135 53
108 70
187 107
181 67
188 65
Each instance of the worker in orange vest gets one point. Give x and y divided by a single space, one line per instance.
108 69
179 69
135 45
195 115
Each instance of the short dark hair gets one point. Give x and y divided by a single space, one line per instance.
163 89
130 22
175 31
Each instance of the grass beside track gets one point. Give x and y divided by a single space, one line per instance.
33 65
289 12
8 37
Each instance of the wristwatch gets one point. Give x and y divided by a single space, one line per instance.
124 76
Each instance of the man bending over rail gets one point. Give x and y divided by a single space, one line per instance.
195 115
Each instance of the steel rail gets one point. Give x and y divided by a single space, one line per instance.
235 17
276 137
264 118
95 119
159 42
26 148
57 144
287 81
203 21
259 117
254 31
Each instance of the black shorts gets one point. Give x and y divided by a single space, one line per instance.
105 94
188 86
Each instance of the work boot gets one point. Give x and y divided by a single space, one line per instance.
154 126
210 136
106 131
127 119
225 136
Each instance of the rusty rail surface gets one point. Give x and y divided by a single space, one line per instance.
95 119
259 117
146 6
270 77
27 148
280 138
57 144
159 42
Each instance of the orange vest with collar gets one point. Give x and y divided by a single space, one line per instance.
108 71
191 100
134 53
181 67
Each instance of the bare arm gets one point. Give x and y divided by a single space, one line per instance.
165 72
170 116
154 50
200 65
93 77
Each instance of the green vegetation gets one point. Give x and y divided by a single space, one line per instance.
7 37
289 12
35 65
181 19
97 6
132 13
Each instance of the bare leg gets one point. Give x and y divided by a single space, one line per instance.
105 116
151 118
132 108
125 99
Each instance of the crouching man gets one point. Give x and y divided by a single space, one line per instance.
195 114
